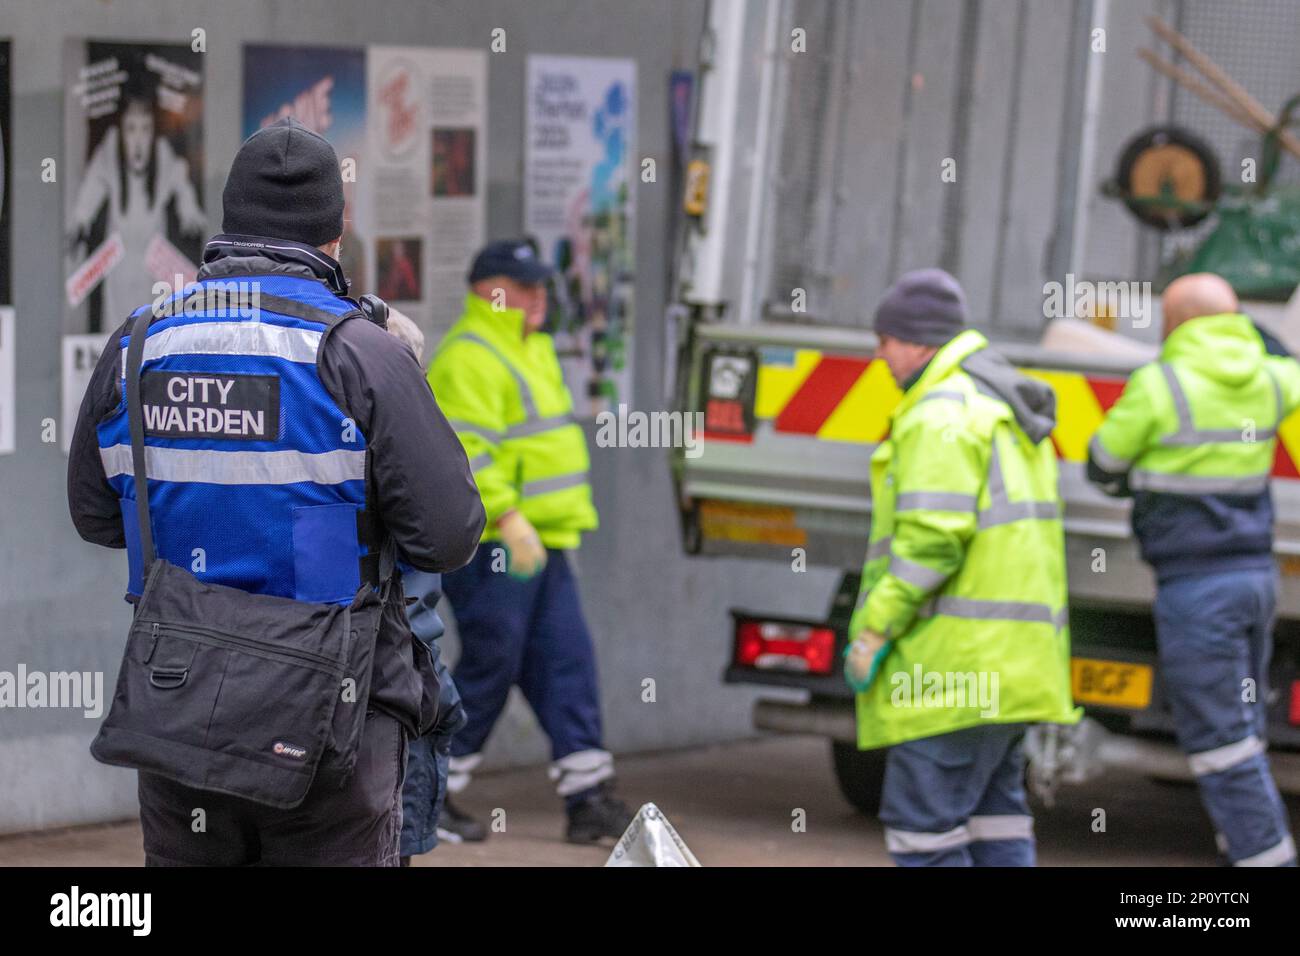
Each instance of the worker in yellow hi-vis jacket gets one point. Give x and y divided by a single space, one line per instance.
964 582
498 380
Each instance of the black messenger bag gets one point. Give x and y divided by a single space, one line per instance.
245 694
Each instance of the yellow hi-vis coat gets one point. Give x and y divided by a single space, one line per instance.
965 570
1203 419
505 396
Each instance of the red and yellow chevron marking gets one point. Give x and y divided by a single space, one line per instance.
849 399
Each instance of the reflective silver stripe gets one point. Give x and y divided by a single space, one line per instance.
1278 408
943 393
546 485
459 770
1012 826
1205 436
480 461
539 425
1105 459
580 771
911 841
1189 434
1276 855
978 610
935 501
927 579
878 549
1181 408
206 466
1225 757
1142 480
233 338
1009 511
471 429
1001 509
525 393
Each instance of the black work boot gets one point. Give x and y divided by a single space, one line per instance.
597 816
456 826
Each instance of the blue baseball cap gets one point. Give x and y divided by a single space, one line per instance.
512 258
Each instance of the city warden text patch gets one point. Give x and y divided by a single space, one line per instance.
211 405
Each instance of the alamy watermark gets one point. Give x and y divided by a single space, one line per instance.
215 298
920 688
82 690
1107 303
635 429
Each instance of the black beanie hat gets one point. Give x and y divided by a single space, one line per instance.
285 184
925 306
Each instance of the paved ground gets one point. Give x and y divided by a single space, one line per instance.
734 805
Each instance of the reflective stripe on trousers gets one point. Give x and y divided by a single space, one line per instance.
1278 855
1226 757
460 770
978 829
576 772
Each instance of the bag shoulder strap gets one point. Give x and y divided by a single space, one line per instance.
135 420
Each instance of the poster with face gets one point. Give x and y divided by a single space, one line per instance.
134 213
324 88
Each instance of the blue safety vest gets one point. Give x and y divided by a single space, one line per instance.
256 475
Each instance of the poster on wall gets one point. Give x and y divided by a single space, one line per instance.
412 120
7 361
425 190
579 205
8 370
6 150
324 88
134 214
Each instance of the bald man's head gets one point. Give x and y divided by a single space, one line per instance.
1192 296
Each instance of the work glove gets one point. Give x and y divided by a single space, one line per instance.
526 554
863 657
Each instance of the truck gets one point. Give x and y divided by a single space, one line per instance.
772 351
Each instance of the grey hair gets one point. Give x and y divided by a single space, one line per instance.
407 332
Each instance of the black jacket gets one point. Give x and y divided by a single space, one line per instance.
420 481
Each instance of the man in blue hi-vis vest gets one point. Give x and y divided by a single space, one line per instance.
287 439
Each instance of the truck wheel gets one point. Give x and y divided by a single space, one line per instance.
860 774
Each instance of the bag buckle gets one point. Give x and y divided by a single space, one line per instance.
168 678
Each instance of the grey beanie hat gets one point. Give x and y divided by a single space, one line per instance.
925 306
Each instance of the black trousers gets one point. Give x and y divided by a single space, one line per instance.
358 824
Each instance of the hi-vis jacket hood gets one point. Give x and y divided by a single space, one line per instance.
1032 402
1225 348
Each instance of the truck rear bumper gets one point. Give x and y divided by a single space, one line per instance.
1151 757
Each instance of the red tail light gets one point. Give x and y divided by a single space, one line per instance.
773 645
1293 712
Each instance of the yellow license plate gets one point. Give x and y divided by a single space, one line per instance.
1113 683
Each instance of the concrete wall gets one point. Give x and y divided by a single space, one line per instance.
654 613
